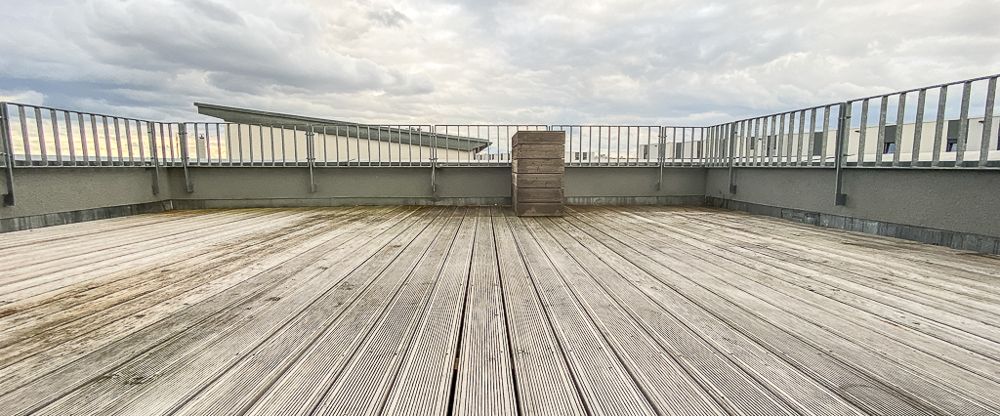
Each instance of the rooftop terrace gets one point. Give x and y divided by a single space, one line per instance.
279 264
431 310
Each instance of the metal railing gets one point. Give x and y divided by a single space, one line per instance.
917 128
39 136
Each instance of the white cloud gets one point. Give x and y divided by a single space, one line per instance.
628 61
23 96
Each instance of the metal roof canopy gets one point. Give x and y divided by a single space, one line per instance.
356 130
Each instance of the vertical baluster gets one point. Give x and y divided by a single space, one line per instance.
107 141
118 141
151 131
801 136
69 138
863 132
163 143
97 140
239 144
790 139
128 142
780 140
984 144
55 136
284 147
700 148
218 144
963 124
826 133
40 127
918 127
25 138
761 154
880 142
83 138
22 121
900 117
138 142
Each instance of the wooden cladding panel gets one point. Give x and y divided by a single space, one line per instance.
537 172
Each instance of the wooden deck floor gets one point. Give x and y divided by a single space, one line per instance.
405 310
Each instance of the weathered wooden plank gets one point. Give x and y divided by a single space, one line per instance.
768 304
303 386
539 151
423 385
549 195
891 285
137 283
539 209
612 310
80 231
521 166
28 261
248 379
50 357
188 364
367 379
912 329
290 274
604 384
537 137
40 278
656 371
544 383
484 379
683 277
122 311
538 180
698 336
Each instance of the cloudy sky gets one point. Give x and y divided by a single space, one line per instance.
483 61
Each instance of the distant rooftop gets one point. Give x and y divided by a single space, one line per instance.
357 130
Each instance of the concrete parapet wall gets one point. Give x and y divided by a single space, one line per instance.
956 208
943 206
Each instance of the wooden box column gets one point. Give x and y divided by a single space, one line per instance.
537 170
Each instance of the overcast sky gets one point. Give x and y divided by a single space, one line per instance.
483 61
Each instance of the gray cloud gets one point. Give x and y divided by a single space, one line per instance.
626 61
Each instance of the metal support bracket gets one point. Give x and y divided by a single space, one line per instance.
434 159
182 133
7 153
434 186
660 155
843 132
311 158
155 158
732 163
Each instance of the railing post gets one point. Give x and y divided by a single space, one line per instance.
434 159
182 133
660 155
732 159
151 134
7 155
843 134
311 157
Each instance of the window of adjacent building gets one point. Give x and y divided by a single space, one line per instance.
817 143
954 126
889 145
645 151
